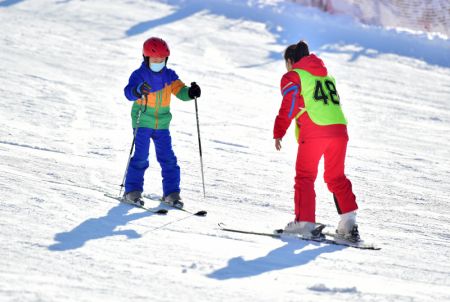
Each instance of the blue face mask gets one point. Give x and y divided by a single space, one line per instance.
157 67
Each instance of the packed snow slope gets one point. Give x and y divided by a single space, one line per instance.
65 136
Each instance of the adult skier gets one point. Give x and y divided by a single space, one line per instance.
311 98
150 88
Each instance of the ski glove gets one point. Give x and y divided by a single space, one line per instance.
194 91
142 89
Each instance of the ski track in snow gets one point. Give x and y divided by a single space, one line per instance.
66 135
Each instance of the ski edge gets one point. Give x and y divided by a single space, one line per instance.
223 227
201 213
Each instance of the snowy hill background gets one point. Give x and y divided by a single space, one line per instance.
66 134
432 16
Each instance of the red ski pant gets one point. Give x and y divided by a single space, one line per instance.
309 154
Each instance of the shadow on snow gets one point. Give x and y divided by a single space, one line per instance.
6 3
96 228
290 22
292 254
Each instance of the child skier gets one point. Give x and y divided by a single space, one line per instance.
150 88
310 97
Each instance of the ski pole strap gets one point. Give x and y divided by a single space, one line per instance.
146 102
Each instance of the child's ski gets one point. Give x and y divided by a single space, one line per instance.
279 234
158 198
156 211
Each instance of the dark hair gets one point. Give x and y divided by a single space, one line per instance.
297 51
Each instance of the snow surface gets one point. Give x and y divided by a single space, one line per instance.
66 135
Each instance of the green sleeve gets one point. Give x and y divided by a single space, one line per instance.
183 94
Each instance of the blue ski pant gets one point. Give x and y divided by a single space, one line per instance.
170 171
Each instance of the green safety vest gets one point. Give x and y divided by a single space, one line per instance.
321 100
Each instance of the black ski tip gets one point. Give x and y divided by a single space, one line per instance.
201 213
157 211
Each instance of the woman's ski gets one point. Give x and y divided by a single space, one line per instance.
327 238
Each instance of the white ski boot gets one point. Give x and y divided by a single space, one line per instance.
347 228
305 229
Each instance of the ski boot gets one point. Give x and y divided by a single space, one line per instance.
305 229
174 200
134 198
347 228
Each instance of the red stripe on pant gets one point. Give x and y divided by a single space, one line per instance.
309 154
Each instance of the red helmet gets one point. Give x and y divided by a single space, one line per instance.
155 47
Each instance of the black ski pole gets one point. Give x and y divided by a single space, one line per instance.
138 118
200 146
